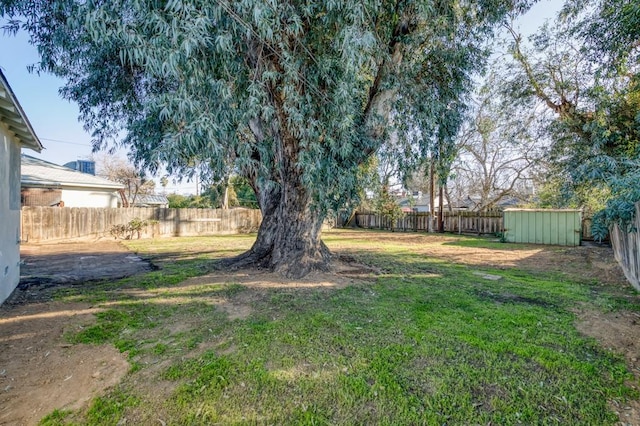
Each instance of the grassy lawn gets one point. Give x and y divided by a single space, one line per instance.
436 336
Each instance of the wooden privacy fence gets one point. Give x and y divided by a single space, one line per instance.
626 247
55 223
460 222
587 233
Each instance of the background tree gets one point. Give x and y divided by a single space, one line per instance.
381 179
204 201
418 180
244 195
423 177
296 95
164 181
584 70
497 149
238 190
387 206
177 201
119 170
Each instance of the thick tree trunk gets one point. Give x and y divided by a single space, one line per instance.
297 248
288 240
260 253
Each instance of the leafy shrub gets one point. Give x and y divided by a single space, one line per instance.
136 226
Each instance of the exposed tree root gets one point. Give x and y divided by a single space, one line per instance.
296 265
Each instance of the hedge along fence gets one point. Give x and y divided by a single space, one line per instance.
626 247
489 222
54 223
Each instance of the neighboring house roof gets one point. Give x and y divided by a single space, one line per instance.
421 203
13 116
149 200
414 202
40 173
509 202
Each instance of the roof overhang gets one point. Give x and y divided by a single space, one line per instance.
37 183
12 115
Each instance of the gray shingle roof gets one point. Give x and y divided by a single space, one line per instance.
150 199
40 173
13 116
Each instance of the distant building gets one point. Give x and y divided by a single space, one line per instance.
149 200
420 203
416 203
15 133
84 166
48 184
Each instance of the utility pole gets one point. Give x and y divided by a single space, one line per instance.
431 194
440 207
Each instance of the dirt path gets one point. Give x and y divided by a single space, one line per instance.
39 371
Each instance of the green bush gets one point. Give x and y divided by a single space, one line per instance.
135 227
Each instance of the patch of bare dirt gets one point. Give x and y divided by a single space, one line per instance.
345 271
40 372
590 262
618 332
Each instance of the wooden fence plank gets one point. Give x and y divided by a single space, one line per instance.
626 246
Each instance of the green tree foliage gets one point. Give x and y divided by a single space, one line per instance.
294 95
177 201
199 202
239 193
388 207
244 195
497 148
585 70
215 195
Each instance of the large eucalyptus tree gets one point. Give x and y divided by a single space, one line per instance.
292 94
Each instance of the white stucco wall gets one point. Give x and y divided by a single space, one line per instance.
82 197
9 213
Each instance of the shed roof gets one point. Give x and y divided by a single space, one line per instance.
13 116
150 199
40 173
543 210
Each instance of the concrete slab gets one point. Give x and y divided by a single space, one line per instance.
75 262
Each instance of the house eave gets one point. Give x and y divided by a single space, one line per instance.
68 185
12 115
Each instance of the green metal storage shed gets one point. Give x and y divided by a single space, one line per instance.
543 226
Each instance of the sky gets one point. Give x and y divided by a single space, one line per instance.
55 120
